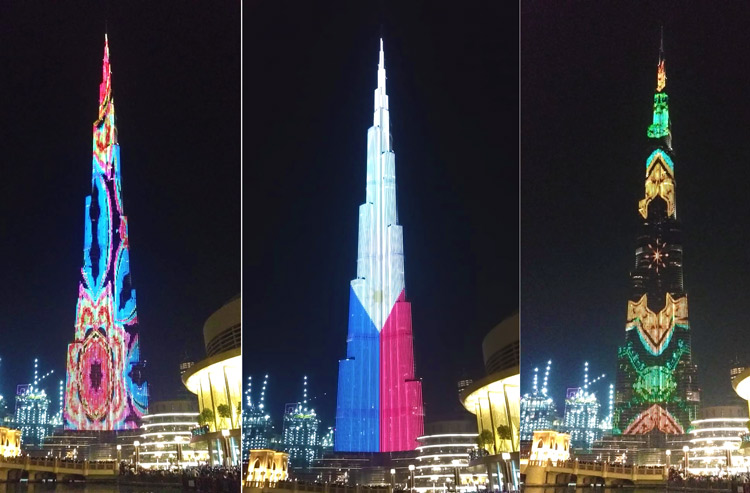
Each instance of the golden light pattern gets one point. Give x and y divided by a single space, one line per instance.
659 183
661 77
741 384
657 255
267 467
495 400
550 445
10 442
216 381
656 329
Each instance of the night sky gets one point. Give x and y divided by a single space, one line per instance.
310 72
176 86
588 75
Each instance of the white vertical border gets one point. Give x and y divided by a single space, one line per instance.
242 332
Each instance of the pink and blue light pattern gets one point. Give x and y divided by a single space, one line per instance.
105 388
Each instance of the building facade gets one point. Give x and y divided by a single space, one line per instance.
716 439
656 391
549 445
266 467
538 410
32 415
495 401
166 434
580 420
10 442
106 388
379 404
217 381
257 427
443 459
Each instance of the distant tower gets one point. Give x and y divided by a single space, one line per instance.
300 437
581 419
32 410
379 404
735 368
256 425
106 388
463 383
537 409
657 392
186 363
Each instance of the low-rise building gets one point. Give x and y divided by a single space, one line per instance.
217 381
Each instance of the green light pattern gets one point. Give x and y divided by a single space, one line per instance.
654 384
660 127
664 156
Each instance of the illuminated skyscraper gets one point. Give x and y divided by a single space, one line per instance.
326 441
580 419
31 417
301 438
379 403
656 392
105 389
256 421
32 414
537 409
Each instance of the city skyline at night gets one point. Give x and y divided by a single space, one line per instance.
181 152
456 182
575 260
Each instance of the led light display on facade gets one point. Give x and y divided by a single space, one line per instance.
105 387
379 403
657 390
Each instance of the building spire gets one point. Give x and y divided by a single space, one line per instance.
105 88
381 117
381 72
660 127
661 74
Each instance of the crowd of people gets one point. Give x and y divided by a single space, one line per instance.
739 483
204 479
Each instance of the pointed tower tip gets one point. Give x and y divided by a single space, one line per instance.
661 74
661 44
381 62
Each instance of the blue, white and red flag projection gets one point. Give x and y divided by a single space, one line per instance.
379 405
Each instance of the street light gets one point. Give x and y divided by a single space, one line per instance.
669 457
411 473
393 479
136 444
685 450
119 453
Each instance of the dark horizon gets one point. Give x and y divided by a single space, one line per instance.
588 80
